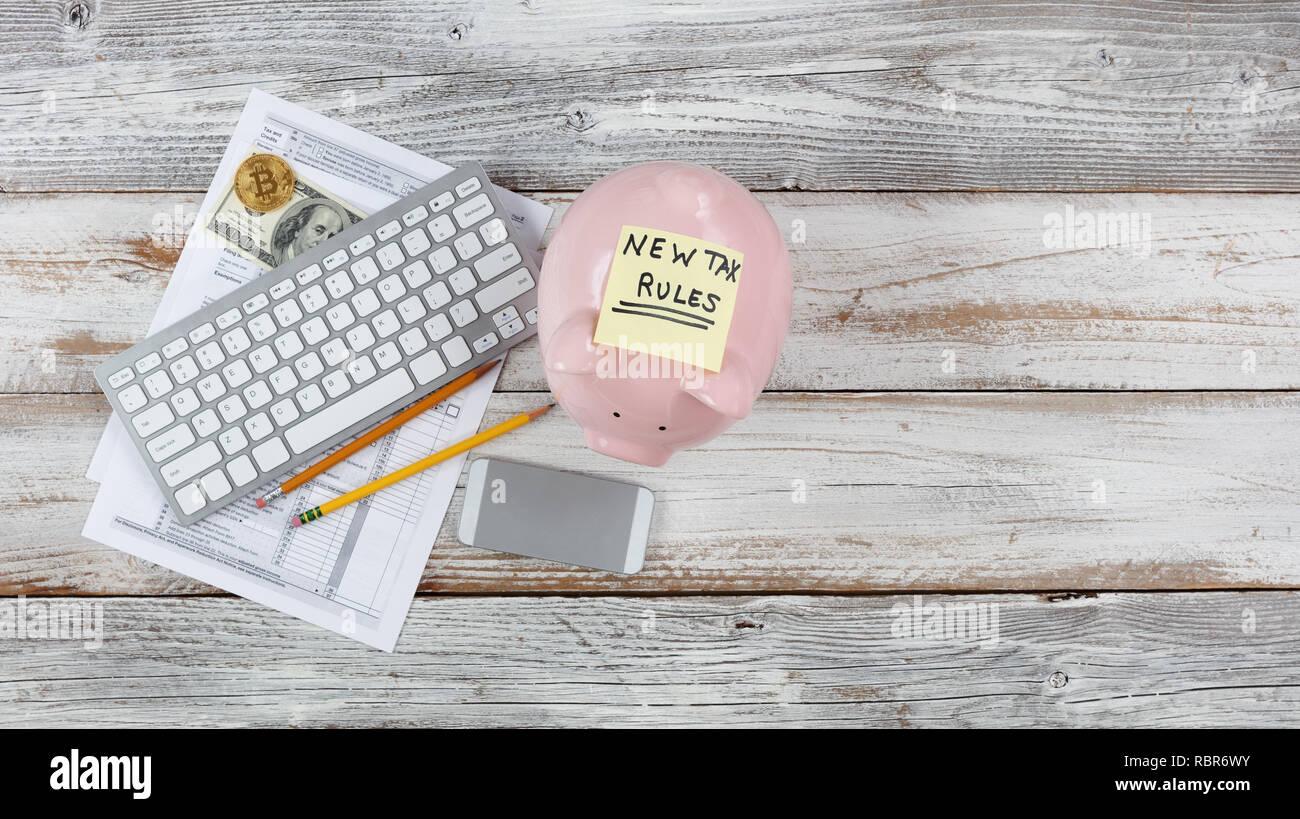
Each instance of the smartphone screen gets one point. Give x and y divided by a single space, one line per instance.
554 515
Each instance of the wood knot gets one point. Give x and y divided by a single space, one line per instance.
579 119
458 32
78 16
745 624
1058 679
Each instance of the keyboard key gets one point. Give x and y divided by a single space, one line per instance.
152 420
202 333
417 274
456 351
236 341
336 383
360 337
263 359
309 274
288 345
391 289
442 260
442 201
389 256
428 367
505 316
232 440
158 384
313 298
259 426
190 498
237 373
468 246
335 351
361 369
210 355
252 305
309 366
531 316
121 378
211 387
472 211
412 341
184 369
361 245
185 401
438 295
284 412
335 259
349 410
270 454
438 327
257 395
241 471
441 229
365 271
504 289
387 356
147 363
468 186
215 485
366 302
497 262
309 398
487 342
411 309
282 288
191 464
283 380
175 348
206 423
416 242
388 231
415 215
493 232
386 323
288 313
232 409
340 316
132 398
262 327
166 444
512 328
462 281
228 319
314 331
339 285
462 313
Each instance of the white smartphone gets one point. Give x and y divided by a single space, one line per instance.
554 515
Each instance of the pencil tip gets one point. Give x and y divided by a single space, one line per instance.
539 412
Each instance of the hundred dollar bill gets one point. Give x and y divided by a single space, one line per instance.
270 239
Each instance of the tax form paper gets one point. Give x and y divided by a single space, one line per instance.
356 571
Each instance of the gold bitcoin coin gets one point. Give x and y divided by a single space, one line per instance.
264 182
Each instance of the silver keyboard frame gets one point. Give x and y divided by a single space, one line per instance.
482 325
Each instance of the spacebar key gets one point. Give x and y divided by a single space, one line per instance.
347 411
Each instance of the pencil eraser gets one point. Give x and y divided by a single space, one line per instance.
296 522
261 503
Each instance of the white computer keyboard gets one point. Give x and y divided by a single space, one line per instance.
327 345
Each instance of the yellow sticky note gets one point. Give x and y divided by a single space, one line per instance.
670 295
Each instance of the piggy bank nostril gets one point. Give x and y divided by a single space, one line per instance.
661 429
616 415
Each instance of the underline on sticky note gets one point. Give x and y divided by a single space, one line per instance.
644 306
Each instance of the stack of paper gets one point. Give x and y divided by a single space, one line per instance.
356 571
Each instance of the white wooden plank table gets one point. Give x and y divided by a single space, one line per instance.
1094 445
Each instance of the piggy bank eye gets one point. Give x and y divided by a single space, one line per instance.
616 415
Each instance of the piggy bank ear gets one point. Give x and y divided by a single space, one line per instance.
570 350
730 392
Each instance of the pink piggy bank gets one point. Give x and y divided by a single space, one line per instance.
632 403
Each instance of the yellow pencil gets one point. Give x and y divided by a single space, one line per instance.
419 466
375 434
